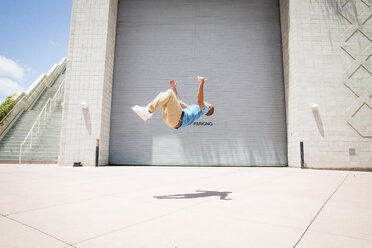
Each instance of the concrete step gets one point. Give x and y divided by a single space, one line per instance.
28 152
35 152
8 155
27 148
50 135
11 140
43 129
44 140
29 156
25 158
52 120
21 136
37 142
15 153
24 128
28 116
27 126
30 121
52 131
32 161
46 143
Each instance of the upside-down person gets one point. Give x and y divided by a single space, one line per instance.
176 113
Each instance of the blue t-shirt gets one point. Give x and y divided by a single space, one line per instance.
192 113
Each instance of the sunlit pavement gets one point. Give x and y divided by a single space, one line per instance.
53 206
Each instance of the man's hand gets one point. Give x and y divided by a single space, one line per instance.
202 80
173 84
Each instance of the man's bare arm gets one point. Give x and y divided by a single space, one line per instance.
201 92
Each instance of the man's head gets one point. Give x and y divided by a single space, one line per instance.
211 109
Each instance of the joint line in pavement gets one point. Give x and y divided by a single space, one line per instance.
307 228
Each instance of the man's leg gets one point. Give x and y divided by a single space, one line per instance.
171 107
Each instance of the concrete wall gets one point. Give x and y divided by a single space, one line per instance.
327 46
88 78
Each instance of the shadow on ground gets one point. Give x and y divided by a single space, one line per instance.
202 193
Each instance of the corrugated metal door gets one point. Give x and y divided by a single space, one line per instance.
236 45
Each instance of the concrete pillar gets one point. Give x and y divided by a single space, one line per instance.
89 75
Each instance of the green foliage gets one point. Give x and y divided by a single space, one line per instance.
6 106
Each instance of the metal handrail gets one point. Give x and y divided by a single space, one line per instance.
37 121
32 129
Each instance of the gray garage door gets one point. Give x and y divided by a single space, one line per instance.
236 45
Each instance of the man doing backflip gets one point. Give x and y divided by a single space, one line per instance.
176 113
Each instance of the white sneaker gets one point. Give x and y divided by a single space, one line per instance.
142 112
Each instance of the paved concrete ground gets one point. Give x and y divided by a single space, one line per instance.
53 206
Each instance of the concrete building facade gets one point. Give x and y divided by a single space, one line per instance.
327 70
327 57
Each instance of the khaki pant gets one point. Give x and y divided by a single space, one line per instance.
171 107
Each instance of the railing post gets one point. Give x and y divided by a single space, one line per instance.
20 153
31 140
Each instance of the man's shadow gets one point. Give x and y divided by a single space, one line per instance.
203 193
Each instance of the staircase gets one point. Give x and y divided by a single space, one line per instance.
45 145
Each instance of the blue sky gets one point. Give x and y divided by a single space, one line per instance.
34 37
